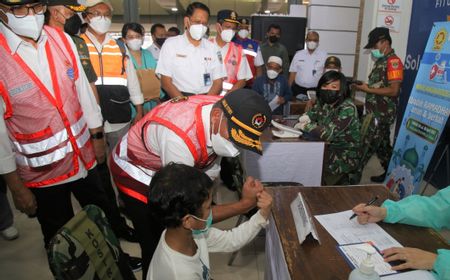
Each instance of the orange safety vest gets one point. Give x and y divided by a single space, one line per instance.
133 163
109 63
48 132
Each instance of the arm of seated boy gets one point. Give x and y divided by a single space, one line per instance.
234 239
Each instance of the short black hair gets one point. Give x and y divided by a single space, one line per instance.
177 190
175 30
331 76
196 5
154 26
274 26
134 26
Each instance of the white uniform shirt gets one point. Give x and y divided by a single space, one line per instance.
36 59
155 50
170 264
244 72
171 148
192 69
309 67
133 86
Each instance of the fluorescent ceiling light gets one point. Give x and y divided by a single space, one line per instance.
174 9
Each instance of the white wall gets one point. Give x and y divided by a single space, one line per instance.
337 24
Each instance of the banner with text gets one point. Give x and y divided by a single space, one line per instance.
425 116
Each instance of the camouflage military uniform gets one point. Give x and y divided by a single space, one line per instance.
386 70
340 127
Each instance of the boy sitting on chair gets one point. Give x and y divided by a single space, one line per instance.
180 196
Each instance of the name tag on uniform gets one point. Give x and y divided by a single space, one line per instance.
207 79
180 55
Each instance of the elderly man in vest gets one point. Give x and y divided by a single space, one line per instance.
117 81
196 131
50 125
231 54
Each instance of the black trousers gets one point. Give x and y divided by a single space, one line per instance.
147 228
54 205
296 89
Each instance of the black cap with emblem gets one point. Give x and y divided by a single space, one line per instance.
248 115
227 15
20 2
377 34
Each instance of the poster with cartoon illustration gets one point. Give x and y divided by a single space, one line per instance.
425 116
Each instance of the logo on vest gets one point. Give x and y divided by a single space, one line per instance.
71 73
20 89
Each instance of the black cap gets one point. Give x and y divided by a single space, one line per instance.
227 15
377 34
244 21
333 60
248 115
20 2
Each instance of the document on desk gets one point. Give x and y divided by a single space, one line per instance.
346 231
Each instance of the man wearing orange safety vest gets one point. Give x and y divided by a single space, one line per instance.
234 60
196 131
117 82
50 125
249 46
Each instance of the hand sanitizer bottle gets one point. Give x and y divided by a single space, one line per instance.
366 270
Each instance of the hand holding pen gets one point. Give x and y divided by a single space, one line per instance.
369 214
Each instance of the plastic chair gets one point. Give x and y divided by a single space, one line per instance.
86 248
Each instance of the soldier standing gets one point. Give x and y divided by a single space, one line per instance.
382 93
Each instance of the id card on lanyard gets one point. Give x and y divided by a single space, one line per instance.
207 76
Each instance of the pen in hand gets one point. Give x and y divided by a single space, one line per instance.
367 204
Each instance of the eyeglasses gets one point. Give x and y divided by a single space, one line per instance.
23 10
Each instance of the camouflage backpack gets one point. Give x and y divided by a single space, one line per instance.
86 248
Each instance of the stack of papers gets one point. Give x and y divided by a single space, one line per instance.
346 231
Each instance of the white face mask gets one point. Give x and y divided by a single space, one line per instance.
272 74
311 45
243 33
221 146
100 24
135 44
197 31
227 35
29 26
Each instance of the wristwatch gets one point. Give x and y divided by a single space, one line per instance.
97 135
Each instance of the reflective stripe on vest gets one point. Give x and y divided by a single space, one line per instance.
51 142
249 52
111 81
53 156
140 173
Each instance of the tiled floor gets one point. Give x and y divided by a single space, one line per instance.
25 259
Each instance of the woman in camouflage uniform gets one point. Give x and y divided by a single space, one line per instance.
334 119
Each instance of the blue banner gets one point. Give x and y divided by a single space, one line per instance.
425 116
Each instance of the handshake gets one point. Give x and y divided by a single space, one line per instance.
302 122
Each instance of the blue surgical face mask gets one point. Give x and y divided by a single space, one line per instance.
208 223
376 53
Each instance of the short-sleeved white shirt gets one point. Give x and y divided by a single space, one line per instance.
188 65
309 67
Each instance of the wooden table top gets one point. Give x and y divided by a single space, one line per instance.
313 261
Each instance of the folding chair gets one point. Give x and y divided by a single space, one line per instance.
86 248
